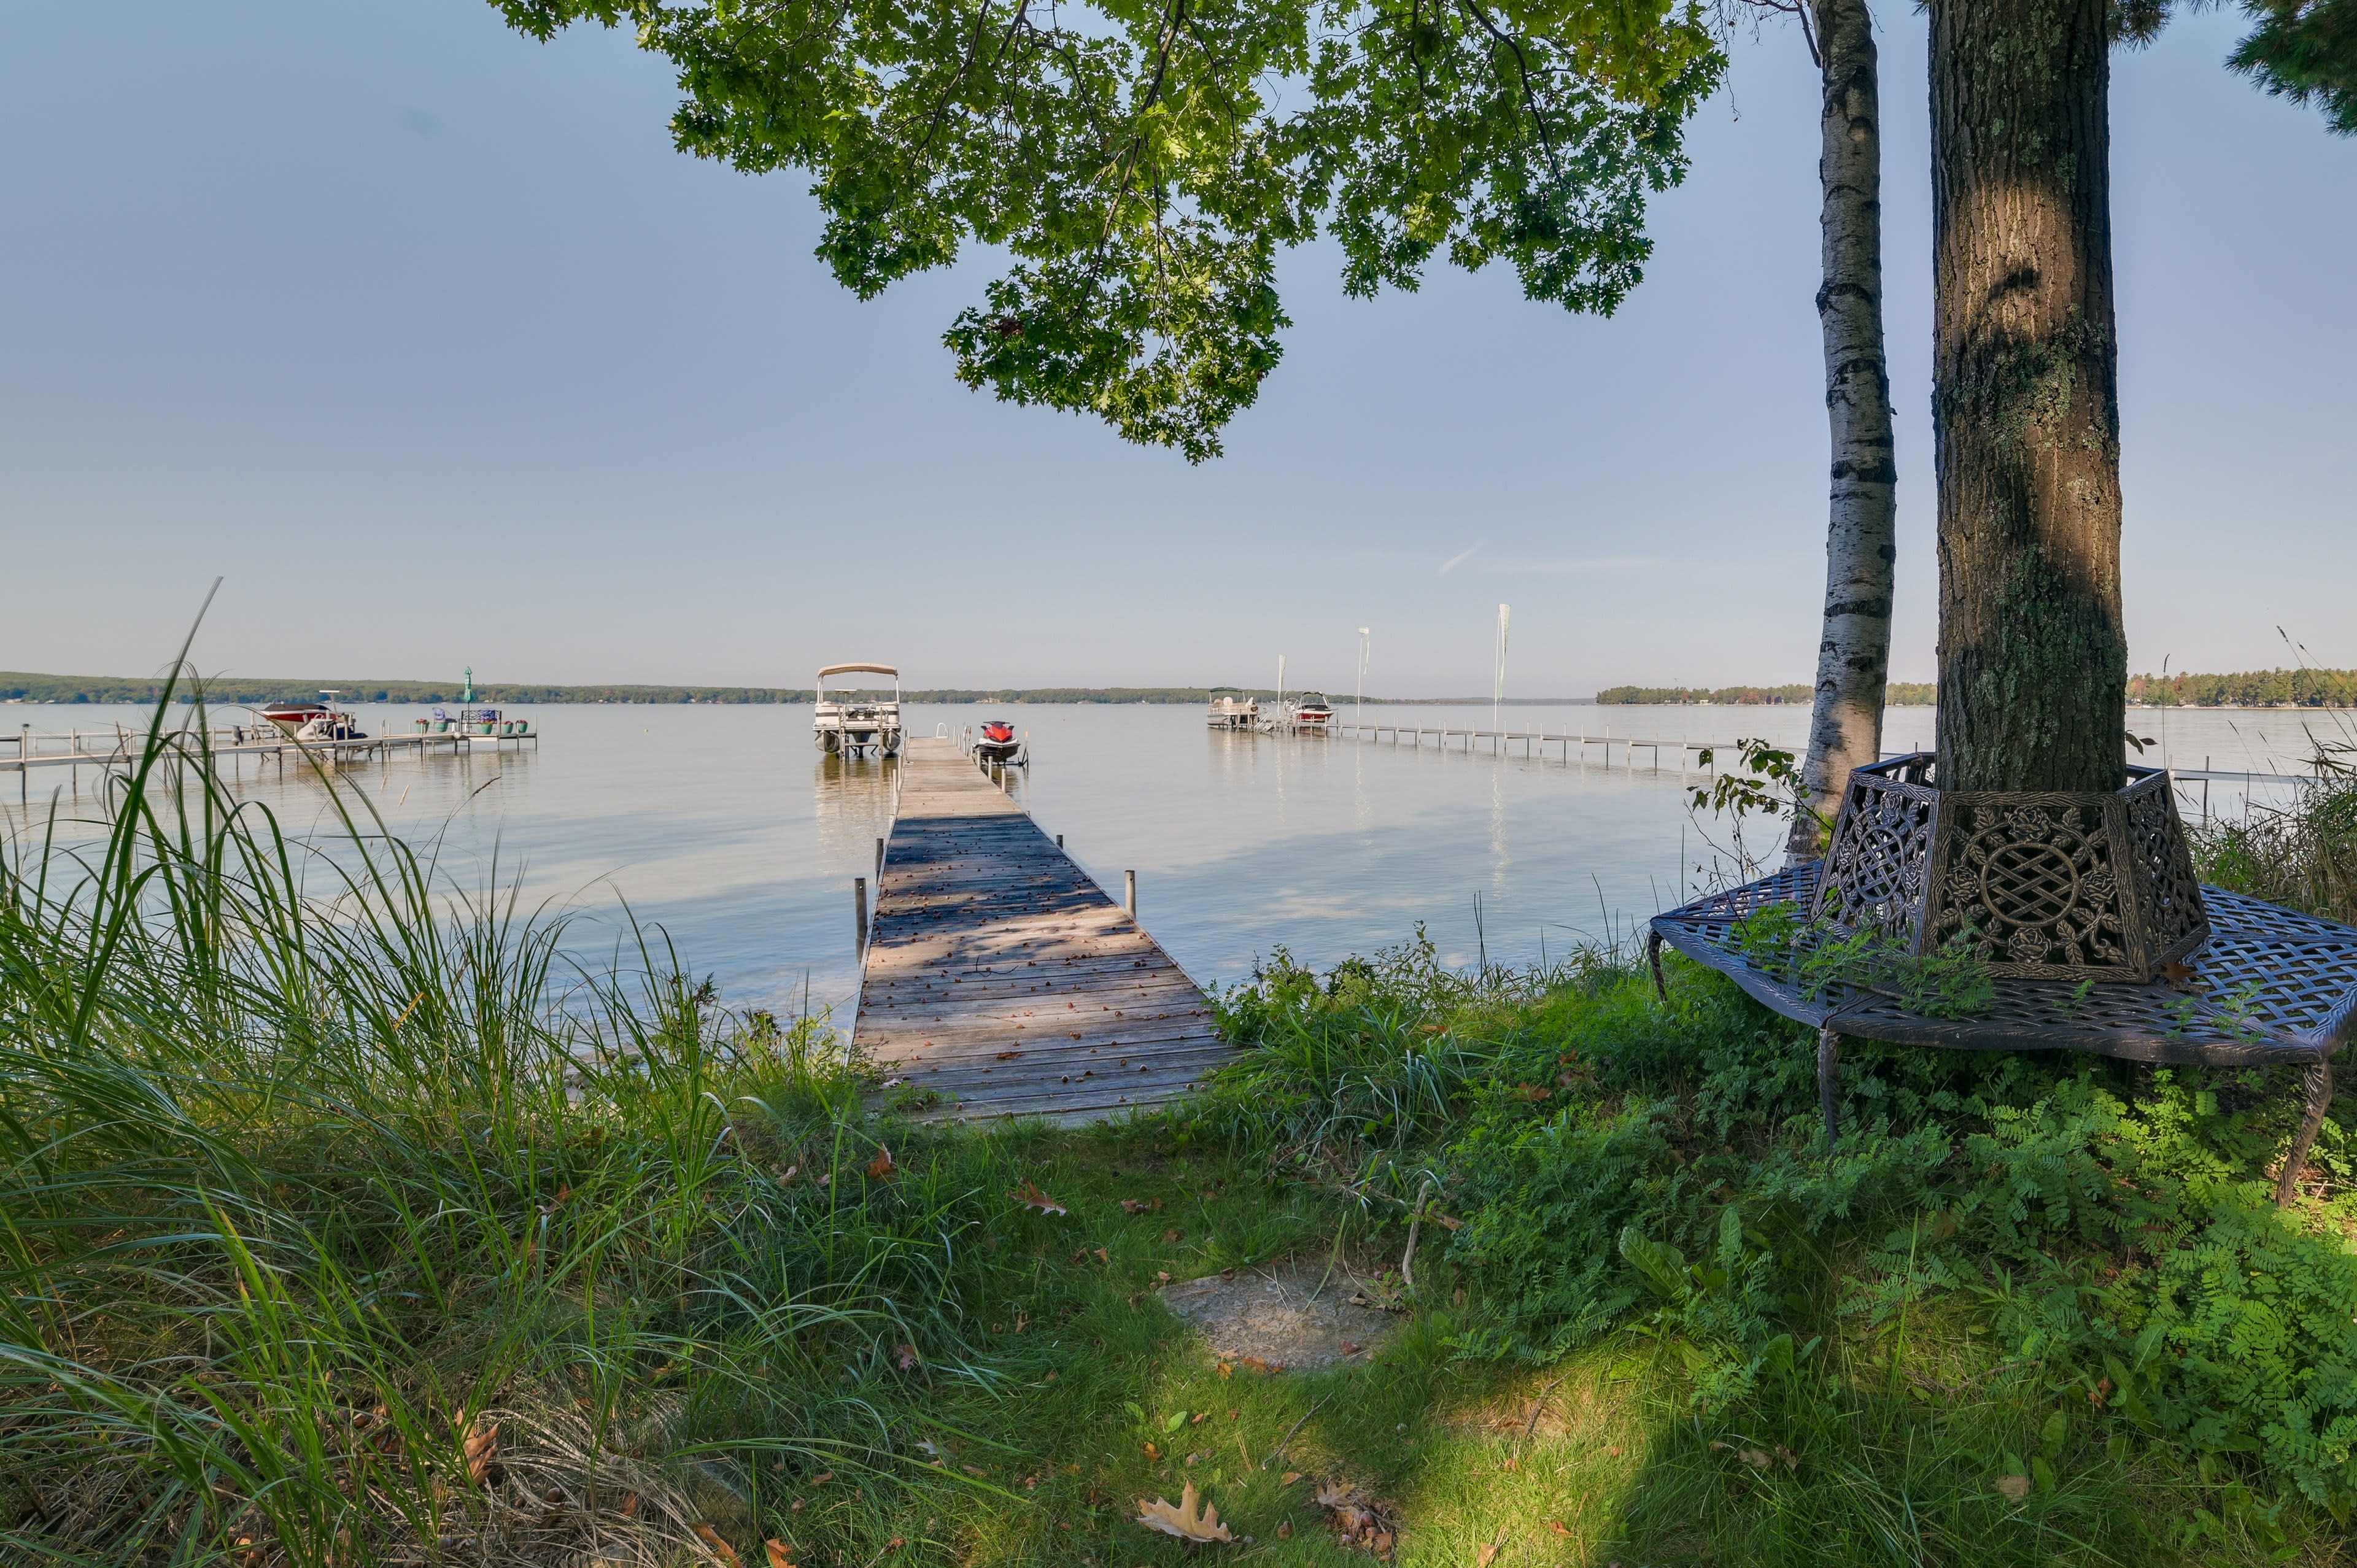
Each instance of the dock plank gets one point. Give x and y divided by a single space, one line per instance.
998 974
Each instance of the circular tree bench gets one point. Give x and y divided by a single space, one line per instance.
2087 914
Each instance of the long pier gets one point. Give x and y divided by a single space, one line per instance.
999 980
1571 745
112 751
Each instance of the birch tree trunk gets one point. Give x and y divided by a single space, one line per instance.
1854 656
2033 659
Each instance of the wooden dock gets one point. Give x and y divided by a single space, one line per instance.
1000 978
116 752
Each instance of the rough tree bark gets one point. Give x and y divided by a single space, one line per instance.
2033 659
1854 656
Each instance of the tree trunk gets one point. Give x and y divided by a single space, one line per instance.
1854 657
2033 661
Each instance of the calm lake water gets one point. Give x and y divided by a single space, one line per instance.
726 828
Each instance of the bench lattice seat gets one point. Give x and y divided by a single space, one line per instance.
2264 985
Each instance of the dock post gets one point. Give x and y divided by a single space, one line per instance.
859 917
1059 841
1129 893
879 868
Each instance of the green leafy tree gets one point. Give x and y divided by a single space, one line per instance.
1144 162
2305 50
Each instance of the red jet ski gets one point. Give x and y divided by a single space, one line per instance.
996 742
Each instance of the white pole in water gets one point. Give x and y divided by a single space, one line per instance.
1280 687
1129 893
1498 692
1366 646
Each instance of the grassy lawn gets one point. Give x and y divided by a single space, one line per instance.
345 1225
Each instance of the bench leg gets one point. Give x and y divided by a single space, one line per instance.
2318 1078
1829 1082
1653 957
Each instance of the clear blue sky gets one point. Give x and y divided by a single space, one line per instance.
424 336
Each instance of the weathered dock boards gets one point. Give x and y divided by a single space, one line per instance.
1001 978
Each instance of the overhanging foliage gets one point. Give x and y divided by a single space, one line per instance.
1143 162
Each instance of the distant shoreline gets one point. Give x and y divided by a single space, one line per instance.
24 689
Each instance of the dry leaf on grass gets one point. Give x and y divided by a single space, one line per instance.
722 1553
2014 1487
780 1554
1289 1478
1029 1195
881 1167
1489 1553
482 1447
1759 1458
1560 1529
1361 1519
1190 1519
906 1358
1284 1529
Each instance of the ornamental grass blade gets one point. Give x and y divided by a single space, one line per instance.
1190 1519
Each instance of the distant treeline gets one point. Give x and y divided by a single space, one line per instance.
2248 689
1899 694
228 691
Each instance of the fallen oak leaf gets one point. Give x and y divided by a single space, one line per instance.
779 1553
907 1359
1560 1528
722 1553
1190 1519
481 1447
1029 1195
1289 1478
881 1167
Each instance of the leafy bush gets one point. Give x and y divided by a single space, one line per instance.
1622 1163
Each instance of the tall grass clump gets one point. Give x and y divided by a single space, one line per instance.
2301 853
344 1222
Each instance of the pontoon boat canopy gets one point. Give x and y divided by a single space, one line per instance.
858 670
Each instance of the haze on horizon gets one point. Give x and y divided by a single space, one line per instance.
423 336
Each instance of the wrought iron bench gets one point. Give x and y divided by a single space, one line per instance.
2054 892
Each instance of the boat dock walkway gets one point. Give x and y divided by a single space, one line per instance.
999 977
113 751
1574 746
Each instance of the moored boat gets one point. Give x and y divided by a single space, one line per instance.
1233 712
1313 714
845 722
996 741
306 720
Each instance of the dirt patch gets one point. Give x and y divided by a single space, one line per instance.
1302 1318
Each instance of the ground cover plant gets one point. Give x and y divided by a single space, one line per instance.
344 1222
